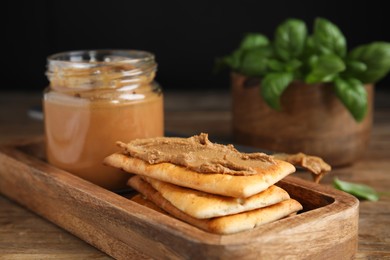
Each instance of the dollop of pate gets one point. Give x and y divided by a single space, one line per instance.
198 154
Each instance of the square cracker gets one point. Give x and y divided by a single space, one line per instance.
220 225
215 183
199 204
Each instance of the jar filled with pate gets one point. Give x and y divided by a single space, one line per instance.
96 98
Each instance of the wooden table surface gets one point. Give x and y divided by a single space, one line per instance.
25 235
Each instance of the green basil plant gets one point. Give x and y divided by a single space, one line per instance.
320 57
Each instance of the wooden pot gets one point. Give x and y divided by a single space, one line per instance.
312 121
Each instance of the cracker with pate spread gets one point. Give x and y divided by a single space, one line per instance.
199 164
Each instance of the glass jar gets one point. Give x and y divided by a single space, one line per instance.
96 98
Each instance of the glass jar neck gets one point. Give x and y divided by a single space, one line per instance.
100 69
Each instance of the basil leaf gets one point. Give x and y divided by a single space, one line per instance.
353 95
354 68
312 61
328 38
253 40
309 47
376 56
273 86
359 190
233 60
275 65
324 68
290 38
293 65
278 66
254 61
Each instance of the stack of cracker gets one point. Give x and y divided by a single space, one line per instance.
211 186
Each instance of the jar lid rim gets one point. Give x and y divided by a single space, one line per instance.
101 56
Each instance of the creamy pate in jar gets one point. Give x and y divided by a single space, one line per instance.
94 99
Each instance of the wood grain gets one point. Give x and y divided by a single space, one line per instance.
25 235
121 227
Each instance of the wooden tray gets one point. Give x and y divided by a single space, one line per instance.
326 229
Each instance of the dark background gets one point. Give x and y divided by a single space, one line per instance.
186 36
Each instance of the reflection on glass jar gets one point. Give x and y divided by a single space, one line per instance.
96 98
